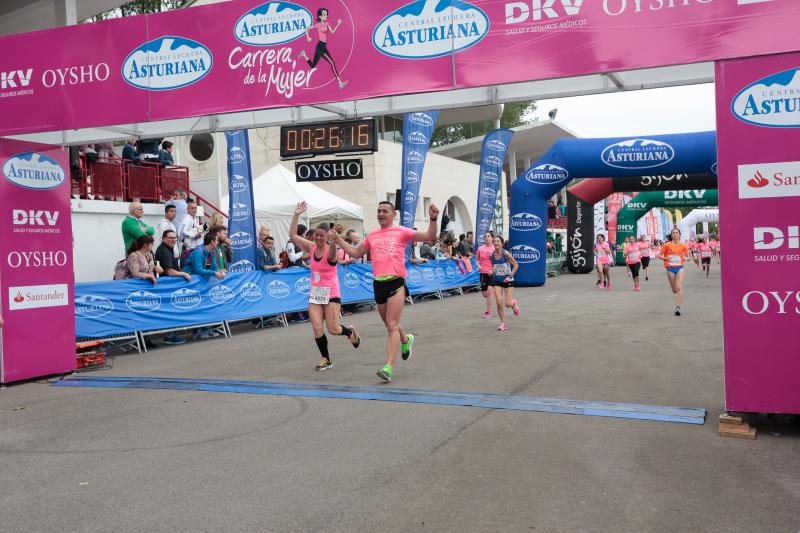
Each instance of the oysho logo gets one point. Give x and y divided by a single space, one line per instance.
36 259
769 238
525 254
185 298
412 177
241 239
303 285
276 289
414 158
243 265
91 306
421 119
143 301
538 10
237 155
772 102
430 28
638 154
252 292
769 180
221 294
273 23
32 170
417 137
167 63
781 302
547 174
525 222
240 211
351 280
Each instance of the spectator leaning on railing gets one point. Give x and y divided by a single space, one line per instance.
168 224
165 154
202 261
166 258
133 226
266 255
139 263
224 249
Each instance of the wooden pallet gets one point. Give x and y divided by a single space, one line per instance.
734 426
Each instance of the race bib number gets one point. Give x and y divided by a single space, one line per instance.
705 253
633 255
674 260
319 295
501 270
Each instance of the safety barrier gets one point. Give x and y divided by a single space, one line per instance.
555 263
109 308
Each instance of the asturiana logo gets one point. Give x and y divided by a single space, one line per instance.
439 271
236 155
303 285
450 272
167 63
407 219
414 276
486 208
714 168
638 153
421 119
241 239
351 280
239 183
494 161
410 197
414 158
277 289
417 137
368 277
525 222
488 193
221 294
243 265
412 177
252 292
494 144
525 254
428 274
240 211
430 28
185 298
273 23
33 170
143 301
91 306
773 102
546 174
491 177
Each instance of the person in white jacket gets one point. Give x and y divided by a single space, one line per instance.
190 230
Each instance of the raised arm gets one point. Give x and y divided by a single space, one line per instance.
430 235
299 241
332 236
353 251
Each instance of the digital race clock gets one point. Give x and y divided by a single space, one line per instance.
328 138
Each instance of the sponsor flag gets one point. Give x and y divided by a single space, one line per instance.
242 222
418 130
493 155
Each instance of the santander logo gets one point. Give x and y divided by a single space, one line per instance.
19 298
758 181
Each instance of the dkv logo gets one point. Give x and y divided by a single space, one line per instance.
166 63
143 301
91 306
221 294
769 238
638 154
770 102
525 222
185 298
276 289
539 10
430 28
547 174
273 23
32 170
525 254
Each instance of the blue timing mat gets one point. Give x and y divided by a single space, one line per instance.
467 399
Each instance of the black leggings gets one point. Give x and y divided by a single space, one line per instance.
634 267
321 52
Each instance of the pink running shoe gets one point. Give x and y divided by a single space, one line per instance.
503 326
487 315
515 308
637 289
608 285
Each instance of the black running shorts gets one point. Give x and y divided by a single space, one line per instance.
386 289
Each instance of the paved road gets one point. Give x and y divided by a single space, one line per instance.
149 460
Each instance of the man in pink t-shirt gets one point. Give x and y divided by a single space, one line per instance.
483 256
387 247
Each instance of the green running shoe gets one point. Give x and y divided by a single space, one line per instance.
405 348
385 373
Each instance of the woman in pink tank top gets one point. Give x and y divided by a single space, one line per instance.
324 297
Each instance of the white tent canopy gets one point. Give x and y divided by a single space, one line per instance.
688 223
276 193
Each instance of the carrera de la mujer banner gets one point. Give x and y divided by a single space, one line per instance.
249 54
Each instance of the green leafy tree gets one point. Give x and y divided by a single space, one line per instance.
141 7
514 114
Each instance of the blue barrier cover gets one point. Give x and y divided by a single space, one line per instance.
108 308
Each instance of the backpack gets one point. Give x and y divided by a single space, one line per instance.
185 255
121 270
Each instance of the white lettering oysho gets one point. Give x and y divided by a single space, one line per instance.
649 5
36 259
75 75
758 302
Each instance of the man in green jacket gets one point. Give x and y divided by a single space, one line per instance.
133 226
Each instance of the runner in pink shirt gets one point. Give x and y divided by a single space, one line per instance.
602 251
483 255
633 259
705 255
324 299
387 246
647 253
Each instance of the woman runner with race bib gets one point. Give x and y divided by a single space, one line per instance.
504 266
674 254
324 298
633 258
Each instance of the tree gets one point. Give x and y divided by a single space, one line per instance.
514 114
140 7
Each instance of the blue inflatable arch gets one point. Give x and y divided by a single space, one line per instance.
567 159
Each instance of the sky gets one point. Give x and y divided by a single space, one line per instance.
647 112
